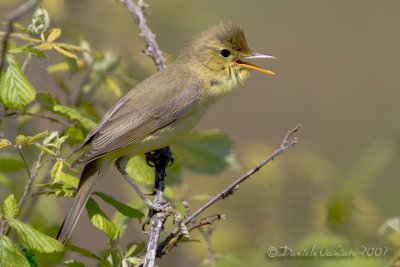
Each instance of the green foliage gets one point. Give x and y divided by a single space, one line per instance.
9 163
10 208
9 254
35 239
100 219
16 92
205 152
74 115
120 207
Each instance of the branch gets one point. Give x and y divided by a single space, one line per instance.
288 142
11 18
159 158
152 49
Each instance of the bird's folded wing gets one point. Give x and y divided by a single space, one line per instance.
152 105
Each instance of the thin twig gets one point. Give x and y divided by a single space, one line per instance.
152 49
28 170
11 18
287 143
209 220
38 115
36 167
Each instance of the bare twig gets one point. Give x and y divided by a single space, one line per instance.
152 49
287 143
36 167
28 170
38 115
11 18
209 220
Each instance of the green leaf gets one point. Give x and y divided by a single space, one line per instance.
10 208
82 251
64 52
9 163
75 135
4 180
4 143
15 90
54 34
46 100
205 152
35 239
29 48
45 149
68 179
28 140
138 169
121 207
56 171
74 115
9 255
100 219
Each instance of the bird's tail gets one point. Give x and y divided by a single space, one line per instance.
87 182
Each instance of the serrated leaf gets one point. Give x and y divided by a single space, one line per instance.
74 115
205 152
68 179
121 207
138 169
4 143
46 100
56 171
9 254
10 207
16 92
100 219
65 52
9 163
54 34
35 239
28 140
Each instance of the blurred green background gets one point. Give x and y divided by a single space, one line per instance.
337 74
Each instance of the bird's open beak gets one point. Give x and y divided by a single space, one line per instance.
250 66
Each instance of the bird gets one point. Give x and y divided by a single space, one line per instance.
164 107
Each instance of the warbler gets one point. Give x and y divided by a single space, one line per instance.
165 106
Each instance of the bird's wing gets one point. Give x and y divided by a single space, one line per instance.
151 106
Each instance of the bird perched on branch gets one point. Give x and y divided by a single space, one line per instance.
165 106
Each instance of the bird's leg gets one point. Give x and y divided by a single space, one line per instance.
159 159
121 166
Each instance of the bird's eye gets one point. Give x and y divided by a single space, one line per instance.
225 52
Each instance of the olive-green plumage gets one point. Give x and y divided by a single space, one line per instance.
164 106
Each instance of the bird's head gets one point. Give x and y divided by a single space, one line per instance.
221 52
